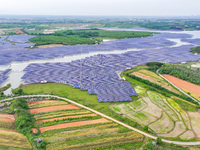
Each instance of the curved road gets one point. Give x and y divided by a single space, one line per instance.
105 116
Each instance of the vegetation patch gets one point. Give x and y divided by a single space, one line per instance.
98 141
14 139
195 121
60 113
181 72
68 120
42 129
46 104
195 50
8 125
164 125
156 99
178 130
73 37
52 108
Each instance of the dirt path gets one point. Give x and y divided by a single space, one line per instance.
42 129
53 108
60 118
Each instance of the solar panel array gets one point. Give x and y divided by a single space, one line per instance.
97 74
20 38
19 52
3 76
192 41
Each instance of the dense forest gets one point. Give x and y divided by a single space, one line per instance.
182 72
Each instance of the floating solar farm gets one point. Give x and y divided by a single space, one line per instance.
97 74
3 75
20 52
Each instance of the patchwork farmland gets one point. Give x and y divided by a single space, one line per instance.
166 116
72 127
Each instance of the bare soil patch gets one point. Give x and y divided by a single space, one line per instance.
53 108
195 121
8 131
7 118
188 135
60 118
183 84
34 130
179 129
102 120
163 125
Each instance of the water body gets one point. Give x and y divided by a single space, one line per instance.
18 67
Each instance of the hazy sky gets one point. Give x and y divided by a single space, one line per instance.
101 7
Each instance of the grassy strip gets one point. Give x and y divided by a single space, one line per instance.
14 139
53 132
60 113
86 132
67 120
8 125
160 89
5 88
185 105
11 148
39 105
99 141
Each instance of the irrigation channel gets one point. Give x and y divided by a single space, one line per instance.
112 119
17 67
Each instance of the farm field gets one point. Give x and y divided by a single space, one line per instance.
183 84
175 117
9 137
165 116
153 77
73 128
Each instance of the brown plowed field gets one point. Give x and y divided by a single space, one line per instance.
7 118
183 84
60 118
42 129
34 130
53 108
39 102
8 131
